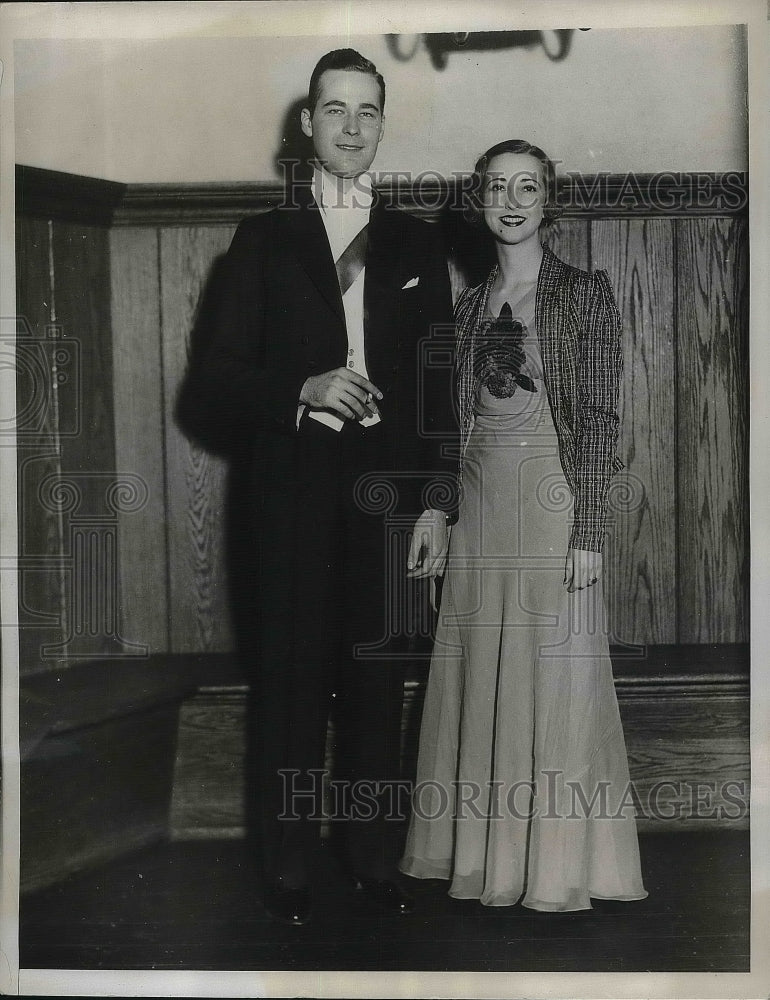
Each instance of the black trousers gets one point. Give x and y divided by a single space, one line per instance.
329 647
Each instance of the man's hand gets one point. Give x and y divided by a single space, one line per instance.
343 391
428 549
582 569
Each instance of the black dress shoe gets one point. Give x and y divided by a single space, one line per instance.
288 906
385 893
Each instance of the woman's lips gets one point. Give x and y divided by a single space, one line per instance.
512 220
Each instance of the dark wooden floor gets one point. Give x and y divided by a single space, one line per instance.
195 905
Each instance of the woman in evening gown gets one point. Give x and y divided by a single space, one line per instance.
522 790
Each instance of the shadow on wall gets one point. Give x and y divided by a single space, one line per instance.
294 147
202 427
292 156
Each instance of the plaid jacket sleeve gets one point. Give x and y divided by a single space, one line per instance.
599 372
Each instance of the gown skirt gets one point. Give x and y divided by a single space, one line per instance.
522 790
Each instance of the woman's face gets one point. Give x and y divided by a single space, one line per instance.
513 196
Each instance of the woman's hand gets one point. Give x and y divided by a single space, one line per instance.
428 549
582 569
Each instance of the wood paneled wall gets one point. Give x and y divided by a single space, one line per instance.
172 570
677 549
638 255
712 428
66 436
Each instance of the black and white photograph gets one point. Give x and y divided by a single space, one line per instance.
383 499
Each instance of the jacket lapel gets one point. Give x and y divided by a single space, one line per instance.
557 336
469 314
310 245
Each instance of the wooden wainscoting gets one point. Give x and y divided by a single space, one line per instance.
121 270
677 546
66 430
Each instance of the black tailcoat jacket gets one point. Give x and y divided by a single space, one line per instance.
275 317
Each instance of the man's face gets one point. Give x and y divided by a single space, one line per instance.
346 125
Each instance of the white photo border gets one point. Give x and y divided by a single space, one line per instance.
318 17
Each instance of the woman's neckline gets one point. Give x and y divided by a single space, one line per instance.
525 289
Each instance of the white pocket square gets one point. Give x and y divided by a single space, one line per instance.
412 283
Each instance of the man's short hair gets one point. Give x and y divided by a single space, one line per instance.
347 59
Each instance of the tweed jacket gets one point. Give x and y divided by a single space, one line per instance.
578 329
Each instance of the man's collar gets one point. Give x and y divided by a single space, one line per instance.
330 192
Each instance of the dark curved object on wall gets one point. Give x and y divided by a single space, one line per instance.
440 44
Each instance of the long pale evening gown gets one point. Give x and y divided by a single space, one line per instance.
522 788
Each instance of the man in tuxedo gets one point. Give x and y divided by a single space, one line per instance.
312 381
